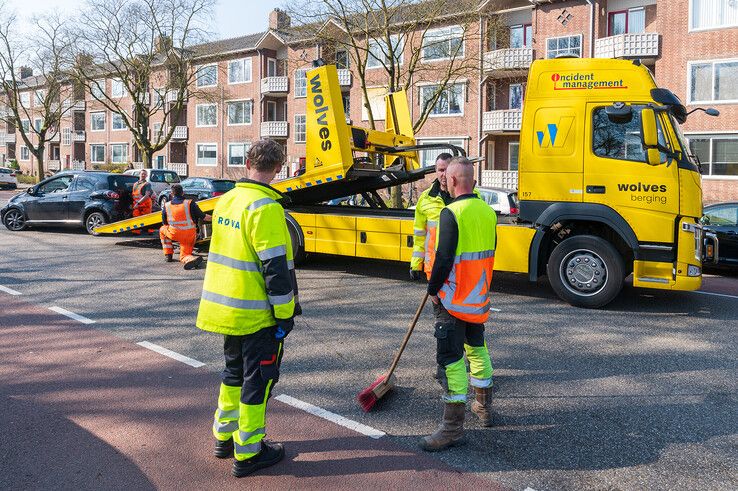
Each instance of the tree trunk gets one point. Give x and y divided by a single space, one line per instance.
147 158
40 164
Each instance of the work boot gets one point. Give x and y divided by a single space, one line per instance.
482 405
194 263
451 430
270 454
223 448
168 258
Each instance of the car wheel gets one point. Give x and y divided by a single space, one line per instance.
14 220
586 271
94 220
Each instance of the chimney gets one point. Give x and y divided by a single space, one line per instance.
163 43
25 72
278 20
83 60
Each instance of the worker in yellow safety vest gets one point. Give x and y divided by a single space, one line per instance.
459 289
250 296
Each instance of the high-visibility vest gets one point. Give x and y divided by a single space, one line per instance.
137 194
249 227
178 215
427 210
465 294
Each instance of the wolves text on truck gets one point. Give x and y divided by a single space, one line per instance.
606 183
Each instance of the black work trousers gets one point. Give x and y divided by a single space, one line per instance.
251 362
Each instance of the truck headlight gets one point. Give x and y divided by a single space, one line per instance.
694 270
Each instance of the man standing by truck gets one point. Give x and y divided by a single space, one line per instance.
250 296
459 289
142 197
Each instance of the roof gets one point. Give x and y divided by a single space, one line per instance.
231 45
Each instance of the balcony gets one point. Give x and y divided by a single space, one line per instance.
54 138
274 129
179 168
344 77
53 164
274 85
514 59
641 45
7 138
180 133
172 96
74 105
502 121
506 179
79 135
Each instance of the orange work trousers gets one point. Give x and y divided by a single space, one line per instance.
142 209
186 239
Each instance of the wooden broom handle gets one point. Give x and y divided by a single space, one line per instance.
407 336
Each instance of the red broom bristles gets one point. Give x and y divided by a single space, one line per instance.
367 399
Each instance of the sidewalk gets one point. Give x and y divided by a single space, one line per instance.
83 409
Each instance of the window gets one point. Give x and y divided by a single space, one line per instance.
521 36
239 71
59 185
450 102
84 184
119 153
117 89
25 99
516 96
26 125
300 128
237 154
207 115
25 154
239 112
271 67
566 45
713 14
155 129
513 150
38 100
271 112
428 157
207 76
379 52
97 89
717 153
342 59
66 136
301 82
723 216
207 154
346 99
97 121
626 21
116 122
443 43
376 102
158 96
620 141
97 153
713 81
37 124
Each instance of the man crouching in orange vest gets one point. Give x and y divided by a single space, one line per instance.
180 217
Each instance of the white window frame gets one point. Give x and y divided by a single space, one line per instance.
510 145
197 151
66 136
97 90
27 152
245 62
461 140
302 93
92 154
690 22
197 76
25 99
38 97
689 81
451 36
562 37
112 122
26 126
104 117
713 135
250 113
304 126
370 57
510 93
524 27
116 82
272 62
124 145
246 146
37 124
348 59
448 87
197 115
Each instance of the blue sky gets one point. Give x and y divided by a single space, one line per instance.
232 18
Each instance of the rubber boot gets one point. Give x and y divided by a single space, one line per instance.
451 430
482 405
168 258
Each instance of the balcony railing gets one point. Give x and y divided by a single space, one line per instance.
636 45
172 96
79 135
180 133
344 77
53 164
8 138
179 168
74 105
274 129
54 138
78 164
508 59
502 121
506 179
274 85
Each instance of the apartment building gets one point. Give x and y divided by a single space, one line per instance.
254 86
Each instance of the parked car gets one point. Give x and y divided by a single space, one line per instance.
722 220
160 179
71 198
7 178
198 188
503 201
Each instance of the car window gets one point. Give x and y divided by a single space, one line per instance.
223 186
84 184
723 215
200 184
59 185
155 177
513 197
121 182
6 171
170 177
187 183
489 197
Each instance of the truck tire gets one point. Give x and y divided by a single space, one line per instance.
298 251
586 271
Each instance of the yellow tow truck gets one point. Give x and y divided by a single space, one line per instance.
607 186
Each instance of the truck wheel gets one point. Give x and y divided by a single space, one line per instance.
298 251
586 271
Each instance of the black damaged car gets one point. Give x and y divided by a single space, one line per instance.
85 199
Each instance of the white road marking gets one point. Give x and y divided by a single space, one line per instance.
9 290
171 354
72 315
332 417
495 310
716 294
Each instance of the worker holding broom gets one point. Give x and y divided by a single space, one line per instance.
458 287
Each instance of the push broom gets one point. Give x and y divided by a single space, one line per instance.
368 397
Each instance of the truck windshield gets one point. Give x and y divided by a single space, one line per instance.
686 150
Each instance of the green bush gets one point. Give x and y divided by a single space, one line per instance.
26 179
13 164
116 168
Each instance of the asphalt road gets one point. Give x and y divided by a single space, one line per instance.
642 394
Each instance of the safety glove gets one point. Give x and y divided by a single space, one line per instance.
416 275
284 327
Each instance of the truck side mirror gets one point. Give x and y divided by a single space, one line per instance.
650 136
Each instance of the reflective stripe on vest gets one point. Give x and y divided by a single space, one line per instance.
431 229
178 215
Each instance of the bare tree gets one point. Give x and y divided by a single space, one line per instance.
145 46
35 105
